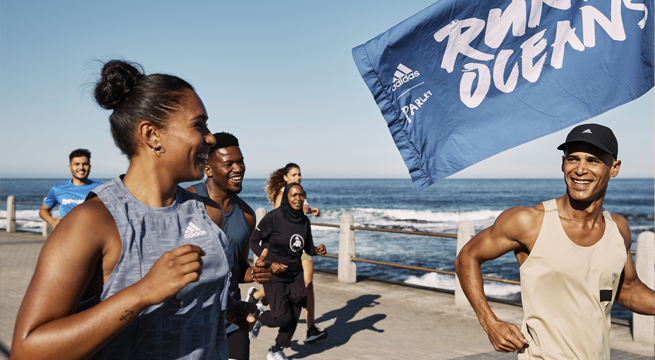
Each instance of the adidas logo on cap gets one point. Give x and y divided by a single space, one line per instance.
192 231
402 75
601 137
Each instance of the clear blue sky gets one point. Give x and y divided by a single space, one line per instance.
277 74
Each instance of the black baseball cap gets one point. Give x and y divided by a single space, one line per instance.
598 135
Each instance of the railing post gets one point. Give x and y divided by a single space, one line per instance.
259 215
46 229
347 268
642 325
11 214
464 233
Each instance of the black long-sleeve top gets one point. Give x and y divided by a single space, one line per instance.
285 242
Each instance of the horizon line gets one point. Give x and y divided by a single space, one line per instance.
343 178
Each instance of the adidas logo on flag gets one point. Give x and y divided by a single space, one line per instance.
192 231
587 131
402 75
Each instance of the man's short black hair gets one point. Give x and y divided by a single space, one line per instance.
79 152
223 140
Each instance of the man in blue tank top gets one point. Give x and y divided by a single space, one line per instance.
70 193
225 169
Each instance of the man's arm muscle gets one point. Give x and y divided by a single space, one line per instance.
633 294
511 231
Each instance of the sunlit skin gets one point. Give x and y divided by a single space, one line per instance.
80 255
293 176
225 170
184 141
188 136
296 197
587 171
80 167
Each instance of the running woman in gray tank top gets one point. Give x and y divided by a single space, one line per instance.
166 330
138 271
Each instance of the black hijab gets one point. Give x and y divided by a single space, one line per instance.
289 213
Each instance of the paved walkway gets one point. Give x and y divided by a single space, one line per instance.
367 320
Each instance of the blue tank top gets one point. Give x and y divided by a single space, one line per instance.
201 189
237 232
190 324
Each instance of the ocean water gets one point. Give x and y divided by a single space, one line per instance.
395 204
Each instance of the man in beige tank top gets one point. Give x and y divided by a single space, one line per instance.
574 260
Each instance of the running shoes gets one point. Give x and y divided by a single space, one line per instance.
314 334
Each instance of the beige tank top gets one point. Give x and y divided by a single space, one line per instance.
567 291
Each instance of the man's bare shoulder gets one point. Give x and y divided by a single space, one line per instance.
523 215
624 229
519 222
619 220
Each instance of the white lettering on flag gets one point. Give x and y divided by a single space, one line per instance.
461 33
458 83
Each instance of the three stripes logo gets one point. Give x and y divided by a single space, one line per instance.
192 231
402 75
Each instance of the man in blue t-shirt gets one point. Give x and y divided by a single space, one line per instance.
70 193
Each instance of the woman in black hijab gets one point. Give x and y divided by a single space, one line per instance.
285 232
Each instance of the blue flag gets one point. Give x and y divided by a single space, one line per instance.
464 80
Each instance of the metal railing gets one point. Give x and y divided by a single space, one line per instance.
408 267
424 233
347 271
642 328
347 259
11 218
21 203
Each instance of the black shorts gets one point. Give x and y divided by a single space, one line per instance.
238 345
280 293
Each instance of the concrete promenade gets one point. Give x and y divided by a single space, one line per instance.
367 320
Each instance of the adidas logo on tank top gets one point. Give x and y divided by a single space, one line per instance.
192 231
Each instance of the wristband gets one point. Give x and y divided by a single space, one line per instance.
252 274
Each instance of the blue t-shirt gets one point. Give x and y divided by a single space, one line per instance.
68 195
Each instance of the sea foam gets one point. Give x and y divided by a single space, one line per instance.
441 281
25 214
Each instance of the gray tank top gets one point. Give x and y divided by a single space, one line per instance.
190 324
237 232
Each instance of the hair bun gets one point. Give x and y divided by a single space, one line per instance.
118 79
